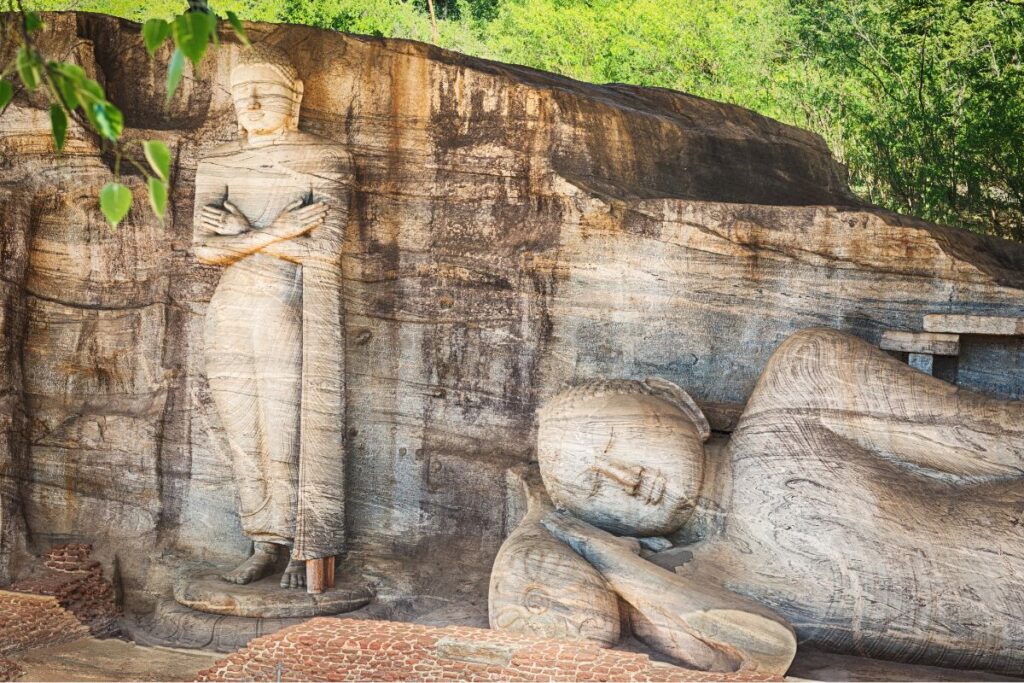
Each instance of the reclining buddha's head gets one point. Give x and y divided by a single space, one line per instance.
266 90
623 455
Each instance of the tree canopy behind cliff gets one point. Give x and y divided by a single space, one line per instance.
922 99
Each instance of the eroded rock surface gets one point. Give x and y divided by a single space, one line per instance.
511 232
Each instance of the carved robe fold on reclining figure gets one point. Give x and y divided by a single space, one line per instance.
878 508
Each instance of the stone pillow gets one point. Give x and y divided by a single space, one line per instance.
540 587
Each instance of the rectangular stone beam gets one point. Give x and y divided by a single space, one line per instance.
933 343
974 324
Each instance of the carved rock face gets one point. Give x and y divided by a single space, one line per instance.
265 102
624 456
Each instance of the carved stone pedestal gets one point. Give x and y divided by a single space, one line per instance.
266 599
173 625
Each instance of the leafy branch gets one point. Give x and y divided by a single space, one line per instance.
73 96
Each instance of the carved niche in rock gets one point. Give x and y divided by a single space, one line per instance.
623 455
540 587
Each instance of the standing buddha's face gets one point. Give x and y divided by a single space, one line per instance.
266 102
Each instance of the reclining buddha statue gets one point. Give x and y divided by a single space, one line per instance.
860 505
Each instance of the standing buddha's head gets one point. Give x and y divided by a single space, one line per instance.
266 90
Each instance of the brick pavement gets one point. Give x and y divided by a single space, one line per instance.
330 649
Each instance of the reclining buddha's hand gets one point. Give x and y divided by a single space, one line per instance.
296 219
224 221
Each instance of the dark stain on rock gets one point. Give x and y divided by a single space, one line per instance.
144 107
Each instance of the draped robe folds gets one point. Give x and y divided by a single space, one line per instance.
876 508
274 346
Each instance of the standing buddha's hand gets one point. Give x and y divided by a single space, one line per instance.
225 221
297 219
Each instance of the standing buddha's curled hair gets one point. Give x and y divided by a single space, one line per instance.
274 59
268 55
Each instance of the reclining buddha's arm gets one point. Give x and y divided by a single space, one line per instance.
705 626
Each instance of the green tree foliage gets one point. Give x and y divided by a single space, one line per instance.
458 28
253 10
730 50
922 99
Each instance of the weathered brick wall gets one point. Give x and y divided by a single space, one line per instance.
76 582
30 621
363 650
9 671
65 600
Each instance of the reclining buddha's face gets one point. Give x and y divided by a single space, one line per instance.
266 101
629 461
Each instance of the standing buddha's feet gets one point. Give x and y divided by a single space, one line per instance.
294 575
261 563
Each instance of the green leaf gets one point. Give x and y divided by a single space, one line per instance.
91 90
28 68
68 91
6 92
159 158
211 27
154 33
212 22
191 34
236 24
67 80
33 22
115 201
158 196
72 71
94 103
59 124
174 73
107 119
90 94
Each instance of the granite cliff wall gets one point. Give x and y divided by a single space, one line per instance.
511 232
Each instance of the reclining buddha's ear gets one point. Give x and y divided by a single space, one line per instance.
675 395
299 87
